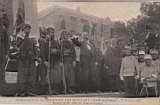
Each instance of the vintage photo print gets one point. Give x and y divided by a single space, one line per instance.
78 48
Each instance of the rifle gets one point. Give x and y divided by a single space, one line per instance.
63 70
49 67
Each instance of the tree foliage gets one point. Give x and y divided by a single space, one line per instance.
149 19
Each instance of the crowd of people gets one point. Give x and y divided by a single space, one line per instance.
73 64
54 66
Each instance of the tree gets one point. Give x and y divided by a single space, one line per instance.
119 29
149 19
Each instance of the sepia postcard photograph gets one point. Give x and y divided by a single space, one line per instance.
80 52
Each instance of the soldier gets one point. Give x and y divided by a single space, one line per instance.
129 66
112 64
85 57
93 73
68 59
77 45
26 62
41 76
55 73
42 59
98 68
43 45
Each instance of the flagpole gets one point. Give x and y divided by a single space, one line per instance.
49 67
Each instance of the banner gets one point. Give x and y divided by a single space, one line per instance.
20 17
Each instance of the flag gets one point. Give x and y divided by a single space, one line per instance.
20 17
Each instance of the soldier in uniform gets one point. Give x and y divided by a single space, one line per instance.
55 73
85 57
98 69
112 63
68 58
42 59
26 62
43 45
77 45
93 73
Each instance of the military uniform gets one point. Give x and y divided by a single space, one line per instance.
43 45
77 67
26 64
42 68
85 64
93 73
69 56
77 45
112 62
56 73
97 70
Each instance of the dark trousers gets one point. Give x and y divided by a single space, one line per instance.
129 83
77 76
41 81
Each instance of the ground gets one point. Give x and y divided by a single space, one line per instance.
106 94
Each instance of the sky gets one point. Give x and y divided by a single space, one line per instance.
116 11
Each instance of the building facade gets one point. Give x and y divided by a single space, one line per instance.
76 21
